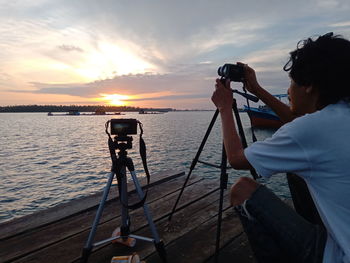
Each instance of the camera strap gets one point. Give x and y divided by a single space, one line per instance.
143 154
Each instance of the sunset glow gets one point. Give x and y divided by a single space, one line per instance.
109 60
114 99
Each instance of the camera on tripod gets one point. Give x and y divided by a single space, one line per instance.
123 127
233 72
120 164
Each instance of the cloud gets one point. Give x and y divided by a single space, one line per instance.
184 82
171 97
70 48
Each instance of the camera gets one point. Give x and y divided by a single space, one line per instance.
234 72
123 126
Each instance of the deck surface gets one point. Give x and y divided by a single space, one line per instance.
58 234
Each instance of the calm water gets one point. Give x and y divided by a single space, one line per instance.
47 160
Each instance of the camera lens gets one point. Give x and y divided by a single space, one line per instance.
224 70
220 71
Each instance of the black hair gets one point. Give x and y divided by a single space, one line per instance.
323 63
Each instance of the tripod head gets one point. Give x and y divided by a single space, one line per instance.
122 142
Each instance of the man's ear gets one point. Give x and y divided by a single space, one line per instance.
313 94
309 89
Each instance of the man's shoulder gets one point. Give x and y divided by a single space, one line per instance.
329 118
302 123
305 126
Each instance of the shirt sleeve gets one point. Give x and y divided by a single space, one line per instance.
278 154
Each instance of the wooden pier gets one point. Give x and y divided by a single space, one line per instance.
58 234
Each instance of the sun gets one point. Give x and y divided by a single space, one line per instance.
115 99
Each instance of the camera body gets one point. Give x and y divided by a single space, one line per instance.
233 72
123 126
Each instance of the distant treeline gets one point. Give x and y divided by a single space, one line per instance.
64 108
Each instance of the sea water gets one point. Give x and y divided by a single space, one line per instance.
47 160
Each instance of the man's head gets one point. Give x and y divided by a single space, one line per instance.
323 65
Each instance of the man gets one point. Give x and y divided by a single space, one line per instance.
314 143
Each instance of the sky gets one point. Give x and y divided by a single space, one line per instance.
150 53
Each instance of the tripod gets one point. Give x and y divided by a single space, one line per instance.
223 165
119 166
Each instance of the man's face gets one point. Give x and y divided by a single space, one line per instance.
299 98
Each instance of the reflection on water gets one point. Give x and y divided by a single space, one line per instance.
47 160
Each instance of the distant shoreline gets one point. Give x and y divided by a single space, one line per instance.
88 108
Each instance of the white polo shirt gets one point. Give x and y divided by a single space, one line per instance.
317 148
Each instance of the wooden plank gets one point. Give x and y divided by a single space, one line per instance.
30 222
80 246
237 250
195 247
58 251
188 218
65 228
198 245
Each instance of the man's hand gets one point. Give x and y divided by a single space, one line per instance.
250 81
222 96
242 190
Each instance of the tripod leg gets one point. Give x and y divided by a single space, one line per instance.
124 228
157 242
223 186
161 251
145 207
195 160
88 246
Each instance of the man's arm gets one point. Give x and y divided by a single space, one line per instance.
281 109
223 99
232 142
